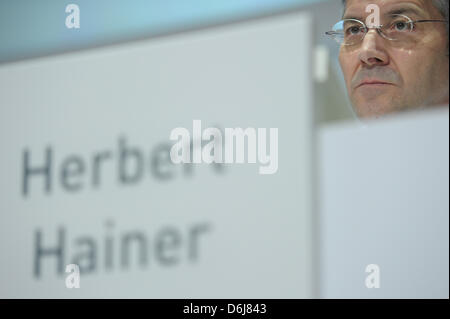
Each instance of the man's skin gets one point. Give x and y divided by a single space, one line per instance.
413 75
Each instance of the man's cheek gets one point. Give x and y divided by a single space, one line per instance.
347 75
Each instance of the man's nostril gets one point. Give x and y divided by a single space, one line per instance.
373 61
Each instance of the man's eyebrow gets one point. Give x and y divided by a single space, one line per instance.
353 17
405 10
409 10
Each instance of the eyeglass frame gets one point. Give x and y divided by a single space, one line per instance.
378 28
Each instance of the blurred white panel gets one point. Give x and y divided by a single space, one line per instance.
169 231
384 200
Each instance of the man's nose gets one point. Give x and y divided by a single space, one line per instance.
372 50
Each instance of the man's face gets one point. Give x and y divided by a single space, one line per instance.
384 76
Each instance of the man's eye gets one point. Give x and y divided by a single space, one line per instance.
400 26
353 30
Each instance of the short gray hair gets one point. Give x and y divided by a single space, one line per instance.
441 5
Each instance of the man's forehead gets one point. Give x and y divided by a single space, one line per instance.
357 8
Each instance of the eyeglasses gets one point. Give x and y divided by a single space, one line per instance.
398 28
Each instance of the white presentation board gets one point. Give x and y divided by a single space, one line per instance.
86 178
384 202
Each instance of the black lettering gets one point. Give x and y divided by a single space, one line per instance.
125 153
139 238
40 252
194 235
71 168
28 171
98 159
86 260
109 246
161 164
166 244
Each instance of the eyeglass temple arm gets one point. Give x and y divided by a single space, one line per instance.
430 21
